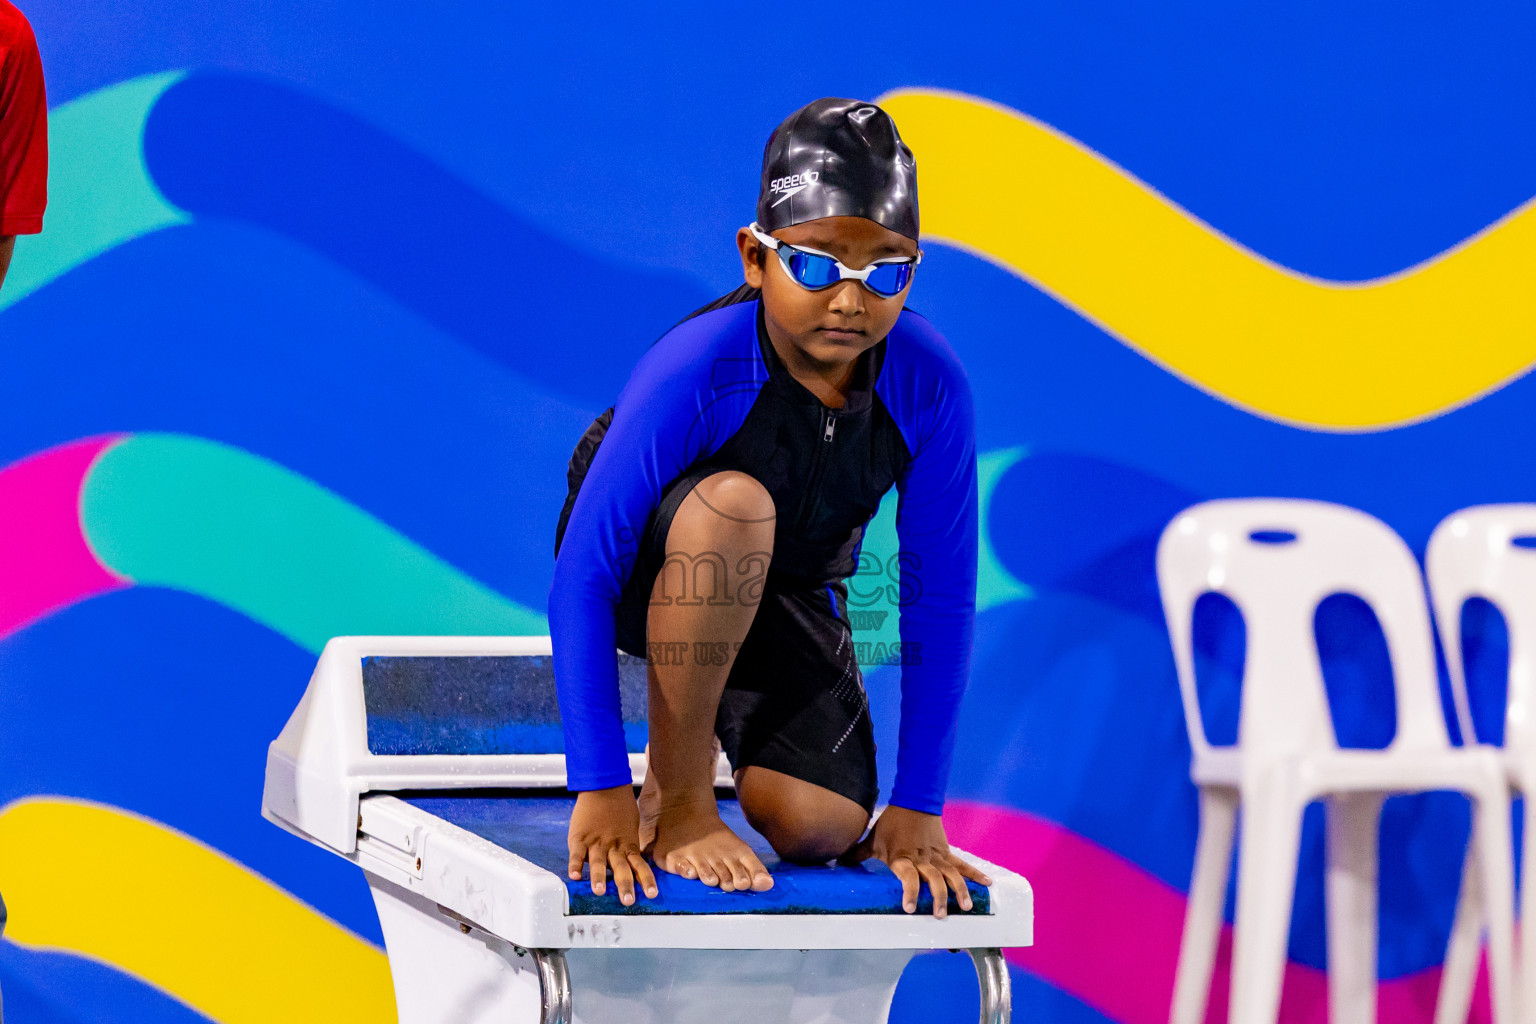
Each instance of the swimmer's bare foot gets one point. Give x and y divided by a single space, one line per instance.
691 840
650 796
649 802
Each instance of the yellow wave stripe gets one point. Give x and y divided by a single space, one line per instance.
1315 353
155 903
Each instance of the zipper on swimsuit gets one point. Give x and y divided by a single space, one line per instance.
818 464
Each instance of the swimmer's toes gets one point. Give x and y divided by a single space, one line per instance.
707 874
730 875
672 864
762 881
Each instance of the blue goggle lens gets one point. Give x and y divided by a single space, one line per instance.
889 278
816 272
811 270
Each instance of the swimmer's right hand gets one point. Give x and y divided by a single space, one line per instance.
605 835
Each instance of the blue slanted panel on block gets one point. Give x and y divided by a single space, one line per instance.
534 828
498 704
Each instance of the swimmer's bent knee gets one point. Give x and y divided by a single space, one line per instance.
813 842
733 496
804 823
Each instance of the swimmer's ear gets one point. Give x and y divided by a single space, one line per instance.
754 257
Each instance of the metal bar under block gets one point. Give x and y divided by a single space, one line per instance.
996 986
554 986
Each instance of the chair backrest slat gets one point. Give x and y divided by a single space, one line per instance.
1482 552
1276 560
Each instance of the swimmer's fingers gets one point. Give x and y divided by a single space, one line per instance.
597 858
575 862
956 881
623 875
911 883
937 885
970 870
643 873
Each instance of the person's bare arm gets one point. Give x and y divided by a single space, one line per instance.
7 243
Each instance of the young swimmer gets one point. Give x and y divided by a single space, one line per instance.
715 514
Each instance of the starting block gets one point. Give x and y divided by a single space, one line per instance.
435 765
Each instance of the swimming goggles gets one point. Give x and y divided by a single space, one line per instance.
814 270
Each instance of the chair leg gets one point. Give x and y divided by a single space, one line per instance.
1466 942
1353 823
1207 896
1492 842
1266 883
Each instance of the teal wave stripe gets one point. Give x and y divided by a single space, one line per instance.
878 622
100 194
995 585
202 517
875 617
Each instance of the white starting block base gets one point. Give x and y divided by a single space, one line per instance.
447 971
427 762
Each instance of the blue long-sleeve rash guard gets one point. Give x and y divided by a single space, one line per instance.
713 392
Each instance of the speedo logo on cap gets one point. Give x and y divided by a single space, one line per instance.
791 185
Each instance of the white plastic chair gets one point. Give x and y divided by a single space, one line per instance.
1287 753
1472 554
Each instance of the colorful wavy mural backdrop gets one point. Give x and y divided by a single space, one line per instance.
327 293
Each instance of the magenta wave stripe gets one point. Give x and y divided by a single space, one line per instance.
45 562
1107 932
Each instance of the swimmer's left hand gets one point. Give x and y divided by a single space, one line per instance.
913 845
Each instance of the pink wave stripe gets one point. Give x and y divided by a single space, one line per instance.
1107 932
45 563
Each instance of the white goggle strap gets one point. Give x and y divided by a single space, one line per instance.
844 272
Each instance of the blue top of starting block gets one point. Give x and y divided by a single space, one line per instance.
534 828
480 704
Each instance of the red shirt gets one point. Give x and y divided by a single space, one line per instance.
23 127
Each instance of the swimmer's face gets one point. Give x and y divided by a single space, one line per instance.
834 325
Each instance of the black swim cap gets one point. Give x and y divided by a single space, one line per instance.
838 158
